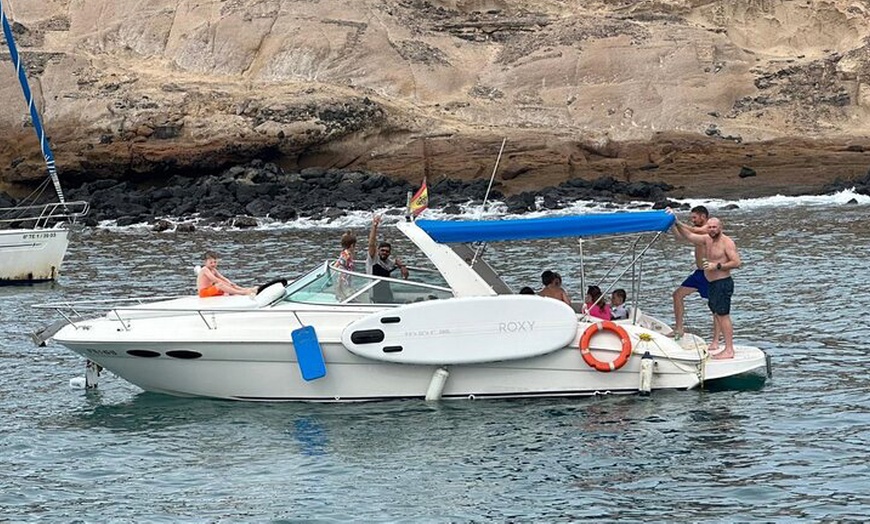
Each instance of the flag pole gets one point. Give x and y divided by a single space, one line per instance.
408 208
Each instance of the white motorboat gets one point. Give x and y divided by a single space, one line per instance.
456 331
34 238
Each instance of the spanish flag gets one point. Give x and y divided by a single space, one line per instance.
420 200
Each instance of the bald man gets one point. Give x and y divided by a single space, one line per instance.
722 257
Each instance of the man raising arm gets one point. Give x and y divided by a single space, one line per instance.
379 263
696 281
379 255
722 257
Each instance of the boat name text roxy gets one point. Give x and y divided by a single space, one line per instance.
514 327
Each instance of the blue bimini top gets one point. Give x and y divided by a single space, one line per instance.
599 224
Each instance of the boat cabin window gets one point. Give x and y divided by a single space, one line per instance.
330 285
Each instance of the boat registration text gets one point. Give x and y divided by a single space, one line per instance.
37 236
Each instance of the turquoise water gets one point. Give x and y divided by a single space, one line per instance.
794 448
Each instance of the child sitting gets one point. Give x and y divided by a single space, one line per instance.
597 305
618 310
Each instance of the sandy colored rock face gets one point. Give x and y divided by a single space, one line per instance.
678 91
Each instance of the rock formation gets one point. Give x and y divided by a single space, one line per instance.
691 93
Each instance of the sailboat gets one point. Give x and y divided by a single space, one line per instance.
34 237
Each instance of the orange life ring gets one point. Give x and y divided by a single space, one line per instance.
624 355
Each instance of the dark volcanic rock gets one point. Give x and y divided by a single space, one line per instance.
746 172
861 185
241 194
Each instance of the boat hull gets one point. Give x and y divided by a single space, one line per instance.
251 357
31 255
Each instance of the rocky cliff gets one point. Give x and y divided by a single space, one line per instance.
692 93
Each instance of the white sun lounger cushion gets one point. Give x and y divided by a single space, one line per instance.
270 294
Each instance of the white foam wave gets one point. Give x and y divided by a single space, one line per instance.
835 199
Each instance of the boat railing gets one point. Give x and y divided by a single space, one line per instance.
44 215
73 311
635 252
125 310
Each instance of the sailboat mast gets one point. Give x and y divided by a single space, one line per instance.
34 113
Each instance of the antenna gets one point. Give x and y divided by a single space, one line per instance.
492 177
482 245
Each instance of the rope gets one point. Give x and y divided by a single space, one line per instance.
34 196
647 338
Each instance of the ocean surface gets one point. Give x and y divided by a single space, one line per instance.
796 448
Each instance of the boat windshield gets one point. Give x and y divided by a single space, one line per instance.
331 285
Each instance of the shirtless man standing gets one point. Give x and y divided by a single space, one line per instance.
211 283
722 257
696 281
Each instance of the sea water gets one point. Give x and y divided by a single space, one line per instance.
792 449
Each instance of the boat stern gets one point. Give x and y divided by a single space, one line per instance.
748 362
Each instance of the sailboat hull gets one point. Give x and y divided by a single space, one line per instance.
31 255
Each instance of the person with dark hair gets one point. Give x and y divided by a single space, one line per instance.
210 282
596 304
526 290
552 282
618 310
721 258
380 264
696 281
547 277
